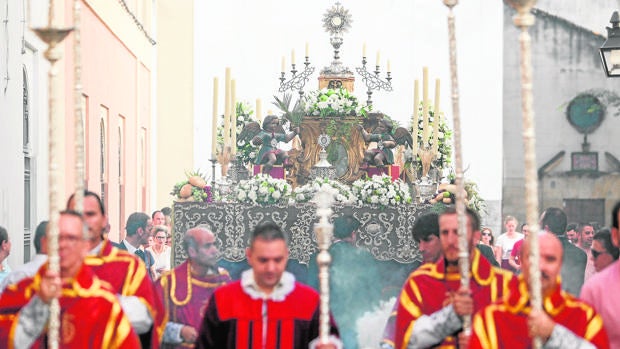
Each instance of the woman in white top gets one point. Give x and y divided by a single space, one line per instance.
506 241
160 251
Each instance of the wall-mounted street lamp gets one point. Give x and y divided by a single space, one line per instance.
610 51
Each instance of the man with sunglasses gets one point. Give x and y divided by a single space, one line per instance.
598 291
604 253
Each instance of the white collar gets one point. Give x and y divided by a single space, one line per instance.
129 246
95 251
280 291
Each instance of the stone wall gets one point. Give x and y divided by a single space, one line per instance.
566 63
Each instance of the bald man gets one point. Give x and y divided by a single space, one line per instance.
564 322
187 288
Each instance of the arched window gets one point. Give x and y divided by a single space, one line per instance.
27 149
142 173
121 179
103 157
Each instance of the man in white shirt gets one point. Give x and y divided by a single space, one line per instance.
30 268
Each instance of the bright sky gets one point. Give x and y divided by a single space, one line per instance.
251 37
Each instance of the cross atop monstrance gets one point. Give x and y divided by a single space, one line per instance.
336 21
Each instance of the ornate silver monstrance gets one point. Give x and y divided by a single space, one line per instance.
323 169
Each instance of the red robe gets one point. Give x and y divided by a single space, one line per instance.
509 317
186 296
425 290
91 316
127 276
234 320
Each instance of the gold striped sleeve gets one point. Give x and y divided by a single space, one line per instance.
480 331
409 304
594 327
407 336
109 339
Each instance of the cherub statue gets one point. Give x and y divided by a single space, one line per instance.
386 141
268 138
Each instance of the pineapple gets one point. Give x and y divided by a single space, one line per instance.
196 179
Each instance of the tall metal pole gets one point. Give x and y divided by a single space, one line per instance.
524 19
458 161
53 36
324 231
79 112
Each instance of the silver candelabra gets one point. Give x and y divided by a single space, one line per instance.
373 80
298 79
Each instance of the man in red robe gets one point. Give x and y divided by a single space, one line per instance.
425 233
267 308
126 274
564 322
187 288
432 301
90 314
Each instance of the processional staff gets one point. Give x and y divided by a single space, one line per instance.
53 36
324 232
458 161
79 112
524 19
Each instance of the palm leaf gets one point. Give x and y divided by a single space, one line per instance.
296 114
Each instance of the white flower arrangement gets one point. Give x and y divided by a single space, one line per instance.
262 189
382 191
328 102
305 193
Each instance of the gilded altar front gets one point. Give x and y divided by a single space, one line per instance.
346 149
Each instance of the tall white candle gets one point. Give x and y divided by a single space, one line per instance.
214 120
415 127
436 118
233 116
293 56
259 111
389 66
364 50
378 58
425 129
283 66
307 50
227 108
